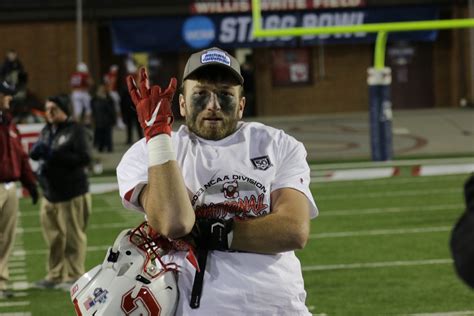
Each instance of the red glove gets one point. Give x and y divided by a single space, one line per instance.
153 105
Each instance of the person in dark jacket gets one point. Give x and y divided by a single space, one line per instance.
462 237
104 116
63 151
14 166
129 114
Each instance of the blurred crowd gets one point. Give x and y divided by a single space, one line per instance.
100 104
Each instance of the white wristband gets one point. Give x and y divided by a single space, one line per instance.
160 150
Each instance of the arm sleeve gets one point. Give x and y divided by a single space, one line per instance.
132 175
293 169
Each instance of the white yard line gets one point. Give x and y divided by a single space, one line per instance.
11 304
371 265
123 225
18 278
379 182
16 264
376 232
456 313
17 271
16 314
398 163
312 236
366 195
89 249
384 210
94 210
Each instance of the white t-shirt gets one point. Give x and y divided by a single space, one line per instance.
231 177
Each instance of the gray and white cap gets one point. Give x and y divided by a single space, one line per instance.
213 57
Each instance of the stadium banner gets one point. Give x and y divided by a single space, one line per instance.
178 33
234 6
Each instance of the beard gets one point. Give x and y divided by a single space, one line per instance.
217 130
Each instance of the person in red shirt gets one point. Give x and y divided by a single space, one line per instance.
81 82
14 166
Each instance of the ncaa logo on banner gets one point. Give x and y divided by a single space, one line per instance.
198 31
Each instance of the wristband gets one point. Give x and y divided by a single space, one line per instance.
160 150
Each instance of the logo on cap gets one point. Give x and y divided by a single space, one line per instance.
215 56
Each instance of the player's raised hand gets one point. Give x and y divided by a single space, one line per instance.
152 104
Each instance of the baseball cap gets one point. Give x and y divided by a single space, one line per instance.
7 88
213 57
62 102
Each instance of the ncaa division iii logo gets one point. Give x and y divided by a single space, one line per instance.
261 163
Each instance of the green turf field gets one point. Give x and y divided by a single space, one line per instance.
378 247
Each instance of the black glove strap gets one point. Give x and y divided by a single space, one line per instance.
198 279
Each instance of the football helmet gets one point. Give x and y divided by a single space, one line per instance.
132 280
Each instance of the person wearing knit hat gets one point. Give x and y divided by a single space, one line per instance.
62 102
63 151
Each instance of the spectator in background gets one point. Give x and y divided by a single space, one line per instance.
63 151
111 83
129 114
103 112
462 237
81 82
14 166
13 72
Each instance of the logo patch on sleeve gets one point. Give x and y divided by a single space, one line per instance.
261 163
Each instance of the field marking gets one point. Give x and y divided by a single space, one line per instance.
372 265
388 194
376 232
21 277
16 264
312 236
11 304
381 210
94 210
17 271
16 314
123 225
20 285
89 249
16 258
373 164
390 181
457 313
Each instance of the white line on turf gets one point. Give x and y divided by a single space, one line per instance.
20 285
11 304
372 164
17 271
89 249
383 210
376 232
366 195
456 313
390 181
17 258
369 265
16 314
101 226
16 264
